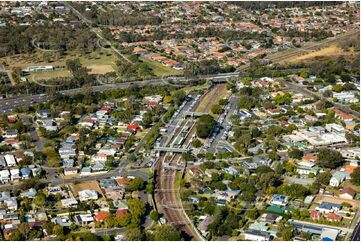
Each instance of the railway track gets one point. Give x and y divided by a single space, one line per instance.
301 51
167 195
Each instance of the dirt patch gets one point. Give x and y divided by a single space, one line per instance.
92 185
325 52
320 199
100 69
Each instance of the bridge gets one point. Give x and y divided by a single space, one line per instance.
170 167
172 149
194 114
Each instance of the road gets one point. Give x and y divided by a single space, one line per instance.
355 236
302 88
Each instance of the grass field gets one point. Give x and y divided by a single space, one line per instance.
328 52
99 62
45 75
160 69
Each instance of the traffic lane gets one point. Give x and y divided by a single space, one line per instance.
356 233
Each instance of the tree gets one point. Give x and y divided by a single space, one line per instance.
252 213
216 109
295 153
16 236
58 230
328 158
287 233
134 234
323 178
355 176
154 215
196 143
40 199
204 126
135 184
178 97
24 229
137 208
167 232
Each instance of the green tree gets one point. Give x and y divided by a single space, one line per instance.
204 126
355 177
216 109
135 184
295 153
328 158
167 232
134 234
137 208
154 215
323 178
196 143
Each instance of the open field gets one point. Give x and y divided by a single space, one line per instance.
99 62
216 93
331 51
160 69
93 185
45 75
100 69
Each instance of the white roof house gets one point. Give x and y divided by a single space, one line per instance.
69 202
10 160
88 194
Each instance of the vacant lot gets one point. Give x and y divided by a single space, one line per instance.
160 69
45 75
320 199
92 185
325 52
100 69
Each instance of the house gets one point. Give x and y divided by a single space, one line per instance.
337 178
259 226
87 194
255 235
133 128
15 174
4 176
69 202
10 160
338 129
101 216
306 168
25 173
309 157
328 234
11 134
332 217
315 214
270 218
203 225
83 219
280 200
29 194
70 171
327 207
347 193
115 193
44 113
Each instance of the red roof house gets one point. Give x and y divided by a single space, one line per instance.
101 216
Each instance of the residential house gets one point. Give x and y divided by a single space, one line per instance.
327 207
83 219
332 217
69 202
347 193
255 235
337 178
203 224
279 200
88 194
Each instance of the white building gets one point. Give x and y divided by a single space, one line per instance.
10 160
88 194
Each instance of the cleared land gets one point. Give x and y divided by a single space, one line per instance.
330 51
160 69
92 185
100 69
45 75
